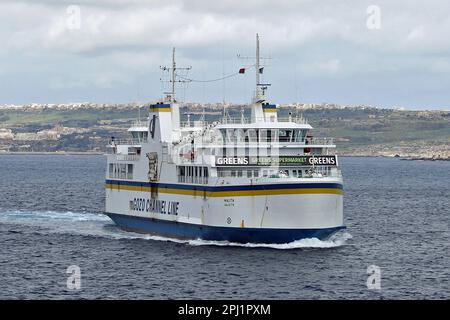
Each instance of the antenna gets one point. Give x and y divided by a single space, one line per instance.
261 88
257 92
173 77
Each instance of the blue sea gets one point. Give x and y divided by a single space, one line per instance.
397 215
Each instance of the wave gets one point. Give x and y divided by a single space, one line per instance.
99 225
18 215
339 239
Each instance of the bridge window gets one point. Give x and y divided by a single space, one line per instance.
140 136
252 135
192 174
285 135
299 135
121 170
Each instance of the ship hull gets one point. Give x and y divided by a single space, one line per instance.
263 213
180 230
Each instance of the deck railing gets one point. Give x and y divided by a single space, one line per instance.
129 141
270 175
128 157
241 120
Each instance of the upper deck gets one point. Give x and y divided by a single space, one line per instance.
260 146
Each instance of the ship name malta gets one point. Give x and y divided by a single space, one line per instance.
253 179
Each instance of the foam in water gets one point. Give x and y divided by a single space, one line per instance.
336 241
17 215
94 224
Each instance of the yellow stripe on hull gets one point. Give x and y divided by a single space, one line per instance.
228 193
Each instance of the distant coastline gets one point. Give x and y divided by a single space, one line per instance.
96 153
62 153
357 130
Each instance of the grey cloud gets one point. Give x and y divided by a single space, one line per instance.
121 41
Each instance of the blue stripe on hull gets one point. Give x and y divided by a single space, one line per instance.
232 234
274 186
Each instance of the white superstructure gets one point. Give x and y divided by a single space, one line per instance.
259 179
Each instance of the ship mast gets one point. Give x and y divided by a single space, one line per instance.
257 113
170 96
174 67
261 88
257 91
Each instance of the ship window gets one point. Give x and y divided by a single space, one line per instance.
205 171
129 171
300 135
294 173
233 173
181 174
255 173
249 173
111 168
239 173
252 135
264 173
263 137
123 171
285 135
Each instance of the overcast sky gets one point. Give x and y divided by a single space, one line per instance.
55 51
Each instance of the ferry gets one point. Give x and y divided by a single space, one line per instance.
255 179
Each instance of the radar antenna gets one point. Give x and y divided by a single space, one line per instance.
170 96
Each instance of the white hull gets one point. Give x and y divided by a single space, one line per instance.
306 209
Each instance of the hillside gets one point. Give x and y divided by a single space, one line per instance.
357 130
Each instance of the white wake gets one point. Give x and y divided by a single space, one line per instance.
95 224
